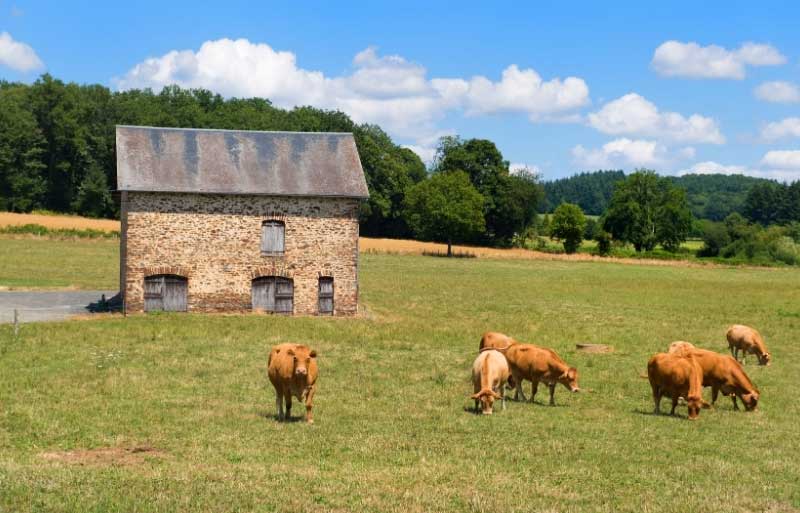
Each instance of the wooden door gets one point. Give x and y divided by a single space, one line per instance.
165 292
273 294
263 294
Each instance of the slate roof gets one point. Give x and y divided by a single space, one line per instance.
238 162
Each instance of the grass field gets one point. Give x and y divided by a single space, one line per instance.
393 431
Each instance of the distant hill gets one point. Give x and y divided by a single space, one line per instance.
710 196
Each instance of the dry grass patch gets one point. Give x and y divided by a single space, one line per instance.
58 222
105 456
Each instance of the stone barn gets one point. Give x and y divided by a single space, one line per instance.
219 220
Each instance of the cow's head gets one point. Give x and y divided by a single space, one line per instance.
570 379
750 400
695 402
301 356
764 358
487 398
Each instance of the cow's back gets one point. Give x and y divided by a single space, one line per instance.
529 359
495 340
280 367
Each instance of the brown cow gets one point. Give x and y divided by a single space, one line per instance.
495 340
676 375
292 370
536 364
721 373
489 374
748 340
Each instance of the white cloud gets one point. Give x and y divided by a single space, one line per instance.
789 127
518 167
634 115
782 159
18 56
387 90
778 92
621 153
677 59
712 168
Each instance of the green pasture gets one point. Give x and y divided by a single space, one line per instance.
394 431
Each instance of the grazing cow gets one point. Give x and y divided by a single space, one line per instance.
721 373
292 370
495 340
489 374
536 364
747 340
676 375
679 346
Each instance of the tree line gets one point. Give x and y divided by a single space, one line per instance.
712 197
57 152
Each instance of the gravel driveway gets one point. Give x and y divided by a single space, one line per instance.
48 306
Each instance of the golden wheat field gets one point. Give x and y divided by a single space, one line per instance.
58 221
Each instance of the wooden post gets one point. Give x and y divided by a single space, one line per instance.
16 323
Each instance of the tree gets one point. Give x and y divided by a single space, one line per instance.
568 225
510 200
22 148
445 208
645 210
673 219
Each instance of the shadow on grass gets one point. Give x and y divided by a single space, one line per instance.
268 415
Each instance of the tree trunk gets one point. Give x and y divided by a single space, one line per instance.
449 248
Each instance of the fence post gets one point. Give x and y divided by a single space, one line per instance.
16 323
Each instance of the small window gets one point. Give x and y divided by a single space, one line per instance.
325 295
165 292
273 294
272 237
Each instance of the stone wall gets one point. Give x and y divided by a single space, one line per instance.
215 242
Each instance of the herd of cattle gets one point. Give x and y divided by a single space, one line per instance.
502 362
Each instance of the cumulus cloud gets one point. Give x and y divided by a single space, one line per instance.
388 90
621 153
785 159
18 56
519 167
677 59
778 92
789 127
634 115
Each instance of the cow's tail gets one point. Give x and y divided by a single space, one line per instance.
501 349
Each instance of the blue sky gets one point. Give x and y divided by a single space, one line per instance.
679 86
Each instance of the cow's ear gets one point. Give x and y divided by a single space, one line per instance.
313 353
572 372
476 395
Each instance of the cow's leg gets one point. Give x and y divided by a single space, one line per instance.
288 399
519 395
309 398
279 404
657 400
674 404
735 406
552 393
534 389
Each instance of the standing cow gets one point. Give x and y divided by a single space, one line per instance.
722 373
676 375
748 340
536 364
292 370
489 374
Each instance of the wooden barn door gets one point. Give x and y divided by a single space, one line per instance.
165 292
273 294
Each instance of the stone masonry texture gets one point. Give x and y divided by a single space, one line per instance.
215 242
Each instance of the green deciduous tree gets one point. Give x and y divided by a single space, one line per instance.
510 199
22 150
445 208
645 210
568 226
